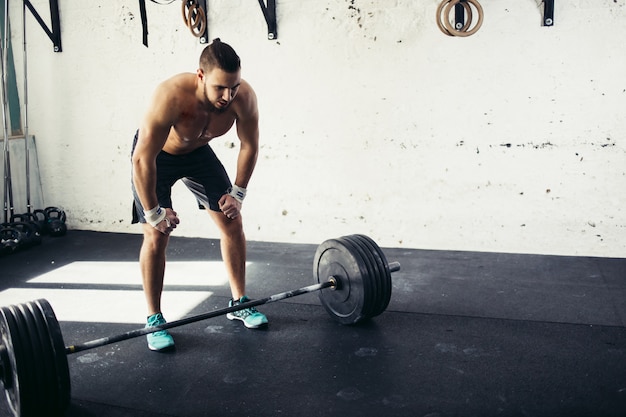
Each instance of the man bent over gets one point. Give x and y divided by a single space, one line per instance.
185 113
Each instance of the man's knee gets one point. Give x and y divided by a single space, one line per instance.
153 239
231 227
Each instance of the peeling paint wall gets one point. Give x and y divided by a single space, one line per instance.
372 121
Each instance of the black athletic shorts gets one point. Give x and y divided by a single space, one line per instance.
200 170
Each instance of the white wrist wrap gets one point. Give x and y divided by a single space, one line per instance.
238 193
155 215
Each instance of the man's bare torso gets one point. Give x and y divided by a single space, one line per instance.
196 123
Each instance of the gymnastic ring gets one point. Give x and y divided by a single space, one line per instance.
438 15
194 17
187 4
465 33
197 24
465 30
466 25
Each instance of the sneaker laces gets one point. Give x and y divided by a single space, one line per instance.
245 312
157 321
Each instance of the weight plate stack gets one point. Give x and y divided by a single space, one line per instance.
384 277
349 302
370 278
12 354
58 373
35 371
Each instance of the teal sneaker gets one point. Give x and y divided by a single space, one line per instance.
162 339
251 318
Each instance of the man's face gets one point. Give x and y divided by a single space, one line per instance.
220 87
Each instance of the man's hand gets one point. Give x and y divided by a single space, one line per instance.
229 206
168 223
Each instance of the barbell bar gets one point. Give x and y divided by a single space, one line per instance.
351 274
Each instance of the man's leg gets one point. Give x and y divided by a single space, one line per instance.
152 264
233 246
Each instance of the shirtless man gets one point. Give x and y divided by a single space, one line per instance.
186 112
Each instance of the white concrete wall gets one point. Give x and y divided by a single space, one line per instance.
373 121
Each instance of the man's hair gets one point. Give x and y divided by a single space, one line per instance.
221 55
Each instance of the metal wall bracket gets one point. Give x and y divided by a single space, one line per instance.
269 12
459 16
548 12
55 33
144 21
204 37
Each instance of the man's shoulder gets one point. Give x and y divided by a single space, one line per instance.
175 89
247 102
178 83
246 87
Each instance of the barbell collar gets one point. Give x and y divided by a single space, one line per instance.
394 266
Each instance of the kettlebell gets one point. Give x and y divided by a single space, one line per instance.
9 239
42 220
29 236
56 221
29 218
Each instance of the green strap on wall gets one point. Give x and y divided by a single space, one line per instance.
13 98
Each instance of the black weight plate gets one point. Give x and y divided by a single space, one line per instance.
385 272
41 357
13 360
23 397
46 363
346 303
369 289
36 390
385 277
377 275
369 278
59 355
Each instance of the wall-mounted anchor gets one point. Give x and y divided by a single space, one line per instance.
548 12
55 33
269 12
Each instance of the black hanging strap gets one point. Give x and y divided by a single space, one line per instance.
144 21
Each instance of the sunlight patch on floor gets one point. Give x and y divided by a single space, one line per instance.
117 305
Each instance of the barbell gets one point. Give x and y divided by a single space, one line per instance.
351 274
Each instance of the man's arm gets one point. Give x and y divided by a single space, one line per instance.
153 134
248 133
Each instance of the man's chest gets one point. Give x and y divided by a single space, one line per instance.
204 126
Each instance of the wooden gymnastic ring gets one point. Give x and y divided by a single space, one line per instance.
465 30
187 4
197 21
194 17
440 17
463 33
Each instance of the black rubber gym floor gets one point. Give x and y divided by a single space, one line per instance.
465 334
